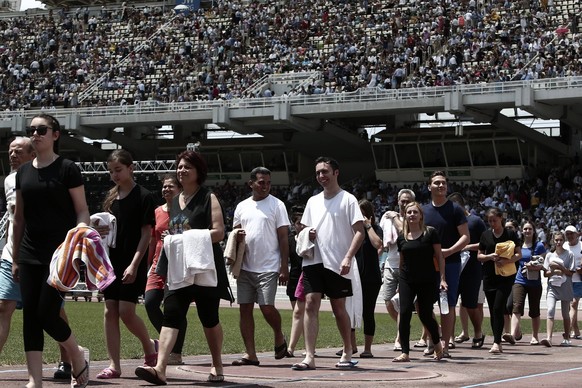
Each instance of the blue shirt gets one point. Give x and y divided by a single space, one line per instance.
526 256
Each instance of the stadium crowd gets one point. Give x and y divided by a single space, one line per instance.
148 53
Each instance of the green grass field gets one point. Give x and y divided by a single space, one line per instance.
87 323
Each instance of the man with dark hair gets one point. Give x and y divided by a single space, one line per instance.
449 220
264 223
335 225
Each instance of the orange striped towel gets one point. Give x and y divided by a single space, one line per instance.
82 245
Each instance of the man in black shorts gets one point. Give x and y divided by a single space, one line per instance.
336 227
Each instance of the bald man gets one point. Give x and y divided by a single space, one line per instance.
19 152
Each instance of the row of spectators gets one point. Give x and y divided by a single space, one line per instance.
552 203
152 53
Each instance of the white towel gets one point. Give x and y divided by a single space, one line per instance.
105 218
190 259
354 303
305 246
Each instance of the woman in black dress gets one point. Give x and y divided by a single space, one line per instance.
196 207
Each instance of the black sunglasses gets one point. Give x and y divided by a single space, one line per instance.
41 130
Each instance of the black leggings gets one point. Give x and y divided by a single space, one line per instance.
41 305
369 296
497 294
426 293
153 299
178 301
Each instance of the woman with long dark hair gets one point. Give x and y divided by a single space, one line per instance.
133 207
50 200
496 286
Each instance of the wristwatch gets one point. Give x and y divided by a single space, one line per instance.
368 226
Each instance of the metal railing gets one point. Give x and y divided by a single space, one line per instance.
360 95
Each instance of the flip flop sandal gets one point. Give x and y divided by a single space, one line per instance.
108 373
302 366
215 378
478 342
341 351
245 361
346 364
145 374
420 344
281 350
366 355
460 339
84 373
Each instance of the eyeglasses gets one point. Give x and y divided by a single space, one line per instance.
40 130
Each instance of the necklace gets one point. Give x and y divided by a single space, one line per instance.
187 198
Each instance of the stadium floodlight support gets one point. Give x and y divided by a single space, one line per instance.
139 167
89 90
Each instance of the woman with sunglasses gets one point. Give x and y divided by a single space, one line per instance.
42 217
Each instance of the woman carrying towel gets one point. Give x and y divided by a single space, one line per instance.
559 266
133 207
154 294
497 287
42 217
195 208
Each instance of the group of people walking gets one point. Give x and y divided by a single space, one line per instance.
173 252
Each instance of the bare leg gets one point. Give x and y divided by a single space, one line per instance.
342 321
7 308
247 330
167 340
515 320
535 327
273 318
549 328
311 326
112 333
464 317
214 337
34 366
136 326
448 327
476 317
64 356
368 340
396 317
297 324
573 317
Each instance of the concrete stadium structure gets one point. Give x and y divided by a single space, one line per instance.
295 129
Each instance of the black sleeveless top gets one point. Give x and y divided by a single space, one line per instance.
198 215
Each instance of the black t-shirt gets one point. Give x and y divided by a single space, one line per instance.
49 212
368 261
476 228
487 245
445 219
417 263
132 212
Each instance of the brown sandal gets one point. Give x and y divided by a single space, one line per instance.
402 358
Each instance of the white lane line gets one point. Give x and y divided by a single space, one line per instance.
522 377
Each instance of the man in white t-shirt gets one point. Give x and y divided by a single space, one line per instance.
335 223
264 222
573 245
391 224
20 152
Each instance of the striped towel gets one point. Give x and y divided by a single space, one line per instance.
82 244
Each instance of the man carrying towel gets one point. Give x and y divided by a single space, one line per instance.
264 222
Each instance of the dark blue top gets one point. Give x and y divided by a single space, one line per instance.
445 219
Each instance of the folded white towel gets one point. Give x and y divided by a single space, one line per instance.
190 259
305 246
105 218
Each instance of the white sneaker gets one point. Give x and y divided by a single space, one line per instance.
566 343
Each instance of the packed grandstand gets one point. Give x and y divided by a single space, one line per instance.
118 55
123 54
